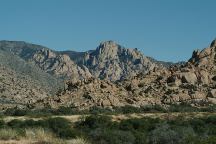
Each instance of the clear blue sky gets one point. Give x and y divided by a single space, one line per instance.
167 30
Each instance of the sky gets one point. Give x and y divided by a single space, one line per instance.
167 30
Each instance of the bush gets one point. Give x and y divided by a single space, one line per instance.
210 108
96 121
99 110
211 120
183 107
61 127
163 134
15 123
2 124
118 137
15 112
109 136
198 125
153 108
146 124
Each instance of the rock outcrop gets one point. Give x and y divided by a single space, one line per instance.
193 83
59 65
113 62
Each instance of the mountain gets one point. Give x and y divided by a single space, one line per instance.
109 61
165 64
34 76
41 71
15 56
112 61
192 82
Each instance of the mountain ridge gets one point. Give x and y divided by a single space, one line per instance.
109 76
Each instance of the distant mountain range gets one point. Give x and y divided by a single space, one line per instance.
31 75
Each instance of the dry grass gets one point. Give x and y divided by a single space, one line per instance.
15 142
42 136
32 136
35 136
8 134
78 141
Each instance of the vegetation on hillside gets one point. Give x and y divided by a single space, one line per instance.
116 110
101 129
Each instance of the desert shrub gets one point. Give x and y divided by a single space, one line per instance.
15 123
101 129
211 119
209 140
2 124
145 124
110 136
184 133
153 108
61 127
99 110
118 137
141 137
64 111
45 112
212 130
15 112
198 125
209 108
96 121
130 109
163 134
183 107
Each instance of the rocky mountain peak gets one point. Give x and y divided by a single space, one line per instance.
107 50
213 43
114 62
205 57
108 44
